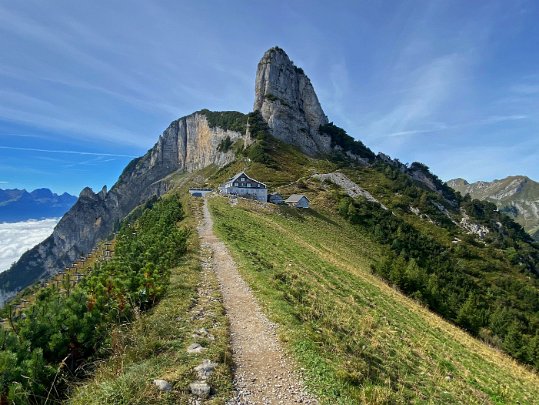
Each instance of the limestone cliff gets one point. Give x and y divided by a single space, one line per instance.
287 101
188 144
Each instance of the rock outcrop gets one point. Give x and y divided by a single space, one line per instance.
348 186
287 101
188 144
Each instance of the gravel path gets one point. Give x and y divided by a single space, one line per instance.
264 373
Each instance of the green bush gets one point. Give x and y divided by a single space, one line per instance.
62 331
225 145
339 137
260 150
227 120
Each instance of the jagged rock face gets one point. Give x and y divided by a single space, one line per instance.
287 101
188 144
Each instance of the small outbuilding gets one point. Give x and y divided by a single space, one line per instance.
275 198
298 201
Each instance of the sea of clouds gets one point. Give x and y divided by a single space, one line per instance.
17 237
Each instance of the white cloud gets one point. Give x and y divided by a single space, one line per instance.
17 237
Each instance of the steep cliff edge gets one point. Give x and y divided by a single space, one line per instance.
287 101
188 144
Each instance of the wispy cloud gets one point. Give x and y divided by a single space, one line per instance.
443 127
484 162
433 86
42 114
72 152
95 161
11 135
526 89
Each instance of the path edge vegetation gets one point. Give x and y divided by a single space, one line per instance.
154 346
126 323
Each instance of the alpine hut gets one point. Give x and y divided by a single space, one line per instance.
242 185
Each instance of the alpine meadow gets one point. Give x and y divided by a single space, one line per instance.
272 257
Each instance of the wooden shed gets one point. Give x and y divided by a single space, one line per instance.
298 201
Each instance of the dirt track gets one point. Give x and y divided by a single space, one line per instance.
264 374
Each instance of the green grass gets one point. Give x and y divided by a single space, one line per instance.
359 340
154 346
292 166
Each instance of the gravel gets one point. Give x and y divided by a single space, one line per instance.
264 373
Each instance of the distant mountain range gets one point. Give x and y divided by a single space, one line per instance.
517 196
21 205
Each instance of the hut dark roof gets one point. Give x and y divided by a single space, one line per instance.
294 198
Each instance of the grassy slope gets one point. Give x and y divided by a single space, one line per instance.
155 345
358 339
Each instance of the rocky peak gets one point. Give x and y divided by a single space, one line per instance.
87 192
460 181
103 192
42 193
287 101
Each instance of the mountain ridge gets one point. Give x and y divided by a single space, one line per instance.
20 205
292 115
188 144
517 196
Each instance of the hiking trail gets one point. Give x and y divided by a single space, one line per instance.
264 373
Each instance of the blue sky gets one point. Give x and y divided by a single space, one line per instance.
86 86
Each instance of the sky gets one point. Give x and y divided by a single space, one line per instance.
87 86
